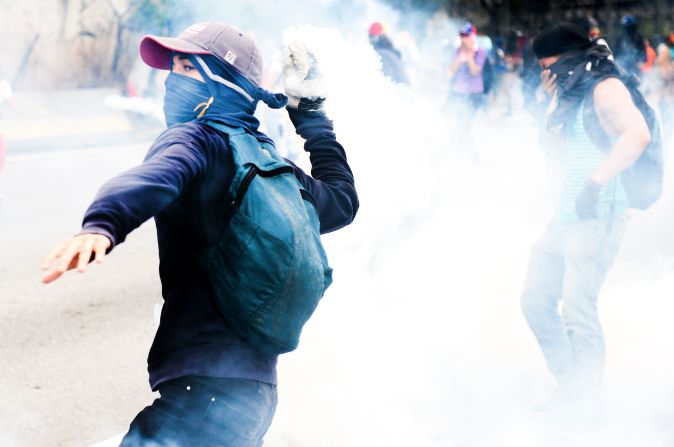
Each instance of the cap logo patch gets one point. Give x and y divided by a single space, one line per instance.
196 28
230 57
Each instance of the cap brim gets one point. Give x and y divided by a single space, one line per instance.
156 51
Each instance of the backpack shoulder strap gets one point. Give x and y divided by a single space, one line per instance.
248 150
229 130
591 123
251 158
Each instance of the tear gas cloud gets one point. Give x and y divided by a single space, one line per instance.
420 341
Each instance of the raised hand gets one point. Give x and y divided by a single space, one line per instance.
302 78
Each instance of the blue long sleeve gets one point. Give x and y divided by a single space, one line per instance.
129 199
331 182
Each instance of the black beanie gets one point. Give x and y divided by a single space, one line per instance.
560 38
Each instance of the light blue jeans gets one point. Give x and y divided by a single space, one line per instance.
568 265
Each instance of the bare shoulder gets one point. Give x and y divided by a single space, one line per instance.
615 108
610 86
611 93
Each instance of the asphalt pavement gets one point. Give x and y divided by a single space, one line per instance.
73 352
77 119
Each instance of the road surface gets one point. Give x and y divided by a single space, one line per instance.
73 352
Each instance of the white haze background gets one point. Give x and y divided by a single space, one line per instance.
420 340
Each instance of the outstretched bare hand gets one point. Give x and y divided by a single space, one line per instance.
73 253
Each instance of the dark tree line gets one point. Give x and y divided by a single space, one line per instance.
501 16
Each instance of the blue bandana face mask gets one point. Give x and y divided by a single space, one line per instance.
183 95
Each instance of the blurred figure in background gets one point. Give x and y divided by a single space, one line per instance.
569 263
515 43
411 56
629 50
648 76
391 59
665 70
530 76
591 27
651 56
498 65
485 42
467 84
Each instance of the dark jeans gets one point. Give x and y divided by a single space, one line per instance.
204 411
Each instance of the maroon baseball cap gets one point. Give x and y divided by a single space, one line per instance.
216 38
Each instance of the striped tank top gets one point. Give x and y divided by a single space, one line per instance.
582 158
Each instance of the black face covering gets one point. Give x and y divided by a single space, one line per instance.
568 68
577 72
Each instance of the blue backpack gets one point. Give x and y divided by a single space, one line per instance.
269 269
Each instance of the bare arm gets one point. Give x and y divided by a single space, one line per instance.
620 118
663 63
473 66
454 67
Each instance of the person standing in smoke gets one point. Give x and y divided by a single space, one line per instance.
465 70
215 387
391 59
467 93
665 70
569 263
630 51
